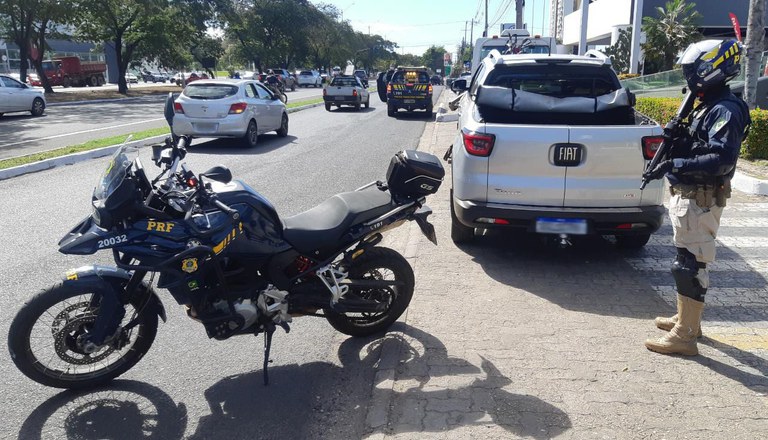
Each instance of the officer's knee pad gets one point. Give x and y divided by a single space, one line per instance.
684 271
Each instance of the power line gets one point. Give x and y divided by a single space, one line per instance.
500 16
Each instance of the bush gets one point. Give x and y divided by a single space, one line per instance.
662 110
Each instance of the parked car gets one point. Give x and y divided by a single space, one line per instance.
130 78
346 90
552 145
363 76
154 77
194 76
288 80
16 96
226 108
310 78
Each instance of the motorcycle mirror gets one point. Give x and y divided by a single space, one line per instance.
219 173
168 111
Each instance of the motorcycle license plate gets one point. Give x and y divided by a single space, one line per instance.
574 226
409 101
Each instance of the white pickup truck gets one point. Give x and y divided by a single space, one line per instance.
551 144
346 90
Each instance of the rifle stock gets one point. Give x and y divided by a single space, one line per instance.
670 130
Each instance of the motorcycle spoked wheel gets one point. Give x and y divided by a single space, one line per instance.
376 264
44 339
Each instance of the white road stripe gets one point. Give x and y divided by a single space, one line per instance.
82 132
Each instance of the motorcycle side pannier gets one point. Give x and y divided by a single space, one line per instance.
414 173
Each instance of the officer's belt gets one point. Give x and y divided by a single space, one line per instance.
704 194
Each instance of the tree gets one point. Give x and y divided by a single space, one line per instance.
131 27
48 13
620 51
19 16
755 37
671 32
433 57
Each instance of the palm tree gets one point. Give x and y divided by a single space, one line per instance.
670 33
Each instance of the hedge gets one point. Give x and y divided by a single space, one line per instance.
755 147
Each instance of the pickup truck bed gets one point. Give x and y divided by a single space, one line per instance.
346 90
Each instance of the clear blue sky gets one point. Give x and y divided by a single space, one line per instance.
417 24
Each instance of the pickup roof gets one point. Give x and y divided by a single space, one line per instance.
552 144
346 90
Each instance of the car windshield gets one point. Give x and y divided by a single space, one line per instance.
344 82
410 76
306 72
209 91
116 171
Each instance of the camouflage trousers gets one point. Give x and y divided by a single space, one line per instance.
695 228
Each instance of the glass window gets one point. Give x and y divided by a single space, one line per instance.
561 82
345 81
250 91
306 72
209 91
10 82
410 76
263 92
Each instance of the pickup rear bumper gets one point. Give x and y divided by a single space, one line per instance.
410 103
602 221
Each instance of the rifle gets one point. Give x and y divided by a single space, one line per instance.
671 131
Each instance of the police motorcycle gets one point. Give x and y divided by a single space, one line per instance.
222 251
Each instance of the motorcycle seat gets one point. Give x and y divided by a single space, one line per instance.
320 228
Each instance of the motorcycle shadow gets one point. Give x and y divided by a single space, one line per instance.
241 407
267 142
121 409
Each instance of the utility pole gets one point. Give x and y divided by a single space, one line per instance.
472 32
584 21
485 31
634 51
755 37
519 4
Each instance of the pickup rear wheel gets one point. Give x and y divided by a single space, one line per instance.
327 107
391 110
632 241
459 232
368 102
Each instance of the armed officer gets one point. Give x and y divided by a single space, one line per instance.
703 161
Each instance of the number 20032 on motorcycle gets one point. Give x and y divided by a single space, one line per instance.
222 252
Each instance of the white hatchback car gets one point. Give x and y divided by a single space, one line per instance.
225 108
310 78
16 96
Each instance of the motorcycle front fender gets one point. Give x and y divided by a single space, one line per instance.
108 282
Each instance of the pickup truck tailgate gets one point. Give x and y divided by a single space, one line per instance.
520 168
610 169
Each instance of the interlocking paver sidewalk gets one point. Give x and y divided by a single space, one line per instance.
510 337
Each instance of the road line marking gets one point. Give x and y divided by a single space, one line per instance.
82 132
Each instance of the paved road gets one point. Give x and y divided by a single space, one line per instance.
71 124
187 385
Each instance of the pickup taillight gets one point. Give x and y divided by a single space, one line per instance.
325 91
389 88
354 92
177 108
651 145
237 108
478 144
430 88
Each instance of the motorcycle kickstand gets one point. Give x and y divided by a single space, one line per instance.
267 346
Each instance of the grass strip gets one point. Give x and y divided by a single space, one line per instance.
90 145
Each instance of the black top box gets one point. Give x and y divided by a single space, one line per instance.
414 173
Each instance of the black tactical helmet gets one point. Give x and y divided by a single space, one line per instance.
710 63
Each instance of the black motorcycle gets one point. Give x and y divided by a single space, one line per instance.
222 252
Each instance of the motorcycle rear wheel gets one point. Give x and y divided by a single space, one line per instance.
376 264
43 339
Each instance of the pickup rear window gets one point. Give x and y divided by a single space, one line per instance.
559 81
344 82
410 76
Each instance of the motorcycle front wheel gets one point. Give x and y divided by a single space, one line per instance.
45 339
381 264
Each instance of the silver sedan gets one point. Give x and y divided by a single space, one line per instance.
223 108
16 96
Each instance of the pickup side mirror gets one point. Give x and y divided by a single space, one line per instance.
459 85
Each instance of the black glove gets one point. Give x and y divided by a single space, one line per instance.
660 170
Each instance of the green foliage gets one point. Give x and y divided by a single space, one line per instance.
620 52
433 57
662 110
672 31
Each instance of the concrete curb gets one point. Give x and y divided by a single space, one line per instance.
749 184
74 158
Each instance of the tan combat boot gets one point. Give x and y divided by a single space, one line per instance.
665 323
682 338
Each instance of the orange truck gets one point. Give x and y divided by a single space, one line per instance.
70 71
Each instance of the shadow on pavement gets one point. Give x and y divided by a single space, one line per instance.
430 406
267 142
122 409
757 381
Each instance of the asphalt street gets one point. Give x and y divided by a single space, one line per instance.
64 125
188 386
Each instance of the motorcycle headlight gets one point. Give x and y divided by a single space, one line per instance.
101 217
